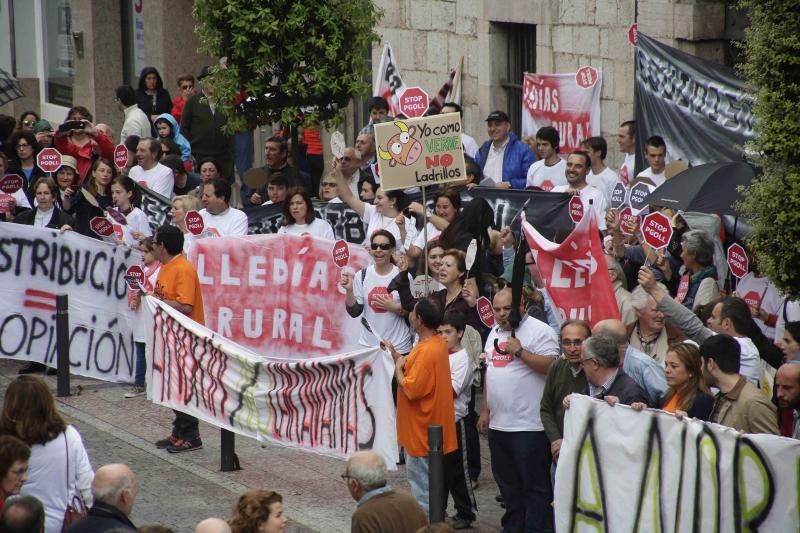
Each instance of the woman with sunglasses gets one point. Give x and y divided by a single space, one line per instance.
367 296
329 189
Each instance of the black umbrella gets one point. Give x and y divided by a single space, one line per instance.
9 87
709 188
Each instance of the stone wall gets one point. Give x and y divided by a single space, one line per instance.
429 36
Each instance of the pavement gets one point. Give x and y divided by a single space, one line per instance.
179 490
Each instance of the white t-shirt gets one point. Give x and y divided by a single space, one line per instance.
627 169
158 179
598 203
48 480
376 221
232 221
751 289
318 228
657 179
384 324
137 221
433 234
469 145
461 377
547 178
749 360
515 389
493 168
604 181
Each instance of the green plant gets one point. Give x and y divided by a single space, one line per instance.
292 58
772 203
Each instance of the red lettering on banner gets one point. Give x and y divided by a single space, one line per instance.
276 294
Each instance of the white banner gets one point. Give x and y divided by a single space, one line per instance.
622 470
37 264
387 82
333 405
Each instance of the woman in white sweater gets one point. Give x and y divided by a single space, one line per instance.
59 467
299 217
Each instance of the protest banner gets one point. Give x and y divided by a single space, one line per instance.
333 405
388 83
36 265
277 294
622 470
419 152
701 108
568 102
575 273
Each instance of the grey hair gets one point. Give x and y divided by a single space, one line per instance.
370 478
602 348
614 265
110 494
639 296
699 244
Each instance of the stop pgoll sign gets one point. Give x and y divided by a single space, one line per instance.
414 102
737 260
657 230
49 160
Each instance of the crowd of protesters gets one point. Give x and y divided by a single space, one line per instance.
687 342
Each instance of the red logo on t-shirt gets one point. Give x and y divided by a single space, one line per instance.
547 185
500 360
753 299
623 174
372 298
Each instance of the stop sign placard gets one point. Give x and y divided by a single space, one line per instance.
619 196
633 38
638 196
657 230
485 311
414 102
117 216
11 183
341 253
586 77
194 222
121 156
625 216
101 226
49 160
133 275
737 260
576 209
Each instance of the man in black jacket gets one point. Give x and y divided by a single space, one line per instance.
607 381
114 489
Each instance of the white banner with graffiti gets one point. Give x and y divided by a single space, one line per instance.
622 470
332 405
36 265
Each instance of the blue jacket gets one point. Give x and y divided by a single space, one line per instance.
177 136
516 160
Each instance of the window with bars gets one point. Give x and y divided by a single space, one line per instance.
520 58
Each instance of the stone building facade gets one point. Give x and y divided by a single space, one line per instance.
500 38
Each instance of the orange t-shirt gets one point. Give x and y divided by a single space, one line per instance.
426 398
177 280
672 405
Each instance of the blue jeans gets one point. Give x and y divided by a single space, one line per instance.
141 364
417 472
521 467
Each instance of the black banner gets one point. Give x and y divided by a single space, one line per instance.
700 108
546 211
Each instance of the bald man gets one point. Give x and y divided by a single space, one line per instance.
787 390
644 370
380 508
213 525
114 489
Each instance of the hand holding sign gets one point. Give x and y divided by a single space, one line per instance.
341 253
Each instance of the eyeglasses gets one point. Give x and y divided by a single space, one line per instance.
186 87
346 158
23 146
28 122
380 246
329 184
570 342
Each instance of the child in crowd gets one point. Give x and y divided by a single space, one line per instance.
127 198
151 267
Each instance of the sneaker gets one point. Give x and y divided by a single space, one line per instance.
458 522
135 392
185 445
163 443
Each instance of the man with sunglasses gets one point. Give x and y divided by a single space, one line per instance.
178 286
350 167
565 377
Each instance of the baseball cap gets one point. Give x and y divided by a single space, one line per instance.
499 116
42 125
68 161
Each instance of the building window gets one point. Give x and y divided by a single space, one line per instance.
520 58
59 53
